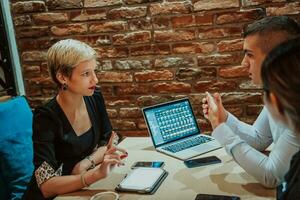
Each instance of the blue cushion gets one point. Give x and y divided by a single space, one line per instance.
16 151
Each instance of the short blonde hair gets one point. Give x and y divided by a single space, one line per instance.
64 55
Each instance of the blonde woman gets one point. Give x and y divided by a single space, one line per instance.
72 134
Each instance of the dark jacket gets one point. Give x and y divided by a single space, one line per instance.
56 143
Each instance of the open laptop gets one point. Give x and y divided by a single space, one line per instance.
174 130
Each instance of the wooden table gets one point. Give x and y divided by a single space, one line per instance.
182 183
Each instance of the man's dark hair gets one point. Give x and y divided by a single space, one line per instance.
273 24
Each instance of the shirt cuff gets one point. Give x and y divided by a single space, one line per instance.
45 172
226 137
232 121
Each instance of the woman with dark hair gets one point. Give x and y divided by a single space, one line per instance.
281 82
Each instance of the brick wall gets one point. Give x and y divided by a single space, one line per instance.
150 51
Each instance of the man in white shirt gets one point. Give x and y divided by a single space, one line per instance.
245 142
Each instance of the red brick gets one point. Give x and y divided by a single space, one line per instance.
63 4
172 35
44 69
97 3
40 43
110 77
28 6
141 124
127 12
106 89
46 18
174 62
104 65
69 29
22 20
203 86
220 59
170 8
195 73
152 75
248 85
240 16
161 22
155 49
112 113
234 72
31 71
35 88
235 110
111 26
204 19
132 37
287 9
131 89
112 52
138 1
121 124
32 32
258 2
241 97
184 74
94 40
219 32
130 112
195 47
182 21
33 56
254 109
119 101
133 64
230 45
151 100
215 4
174 87
140 24
87 15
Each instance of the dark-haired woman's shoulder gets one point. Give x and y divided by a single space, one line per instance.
293 179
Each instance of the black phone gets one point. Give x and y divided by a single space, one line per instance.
215 197
202 161
155 164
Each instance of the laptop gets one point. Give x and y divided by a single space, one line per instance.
174 130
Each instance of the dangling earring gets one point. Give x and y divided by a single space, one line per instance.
64 86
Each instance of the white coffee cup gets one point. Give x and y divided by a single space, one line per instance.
105 196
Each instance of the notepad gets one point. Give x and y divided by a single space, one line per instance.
142 180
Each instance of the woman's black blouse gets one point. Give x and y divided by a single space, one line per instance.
56 143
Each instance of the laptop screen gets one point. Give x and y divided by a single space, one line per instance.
170 121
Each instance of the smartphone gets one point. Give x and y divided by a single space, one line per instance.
155 164
215 197
202 161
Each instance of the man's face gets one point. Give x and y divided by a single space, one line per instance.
253 57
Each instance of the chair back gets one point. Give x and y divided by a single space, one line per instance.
16 149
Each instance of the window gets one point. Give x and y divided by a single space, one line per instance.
11 80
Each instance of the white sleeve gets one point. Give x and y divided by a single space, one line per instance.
268 170
258 135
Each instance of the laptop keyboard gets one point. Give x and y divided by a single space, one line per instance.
187 144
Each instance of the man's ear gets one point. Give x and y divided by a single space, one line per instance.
276 103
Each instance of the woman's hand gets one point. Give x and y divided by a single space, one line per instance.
112 144
111 159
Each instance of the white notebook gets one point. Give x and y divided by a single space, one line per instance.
142 180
